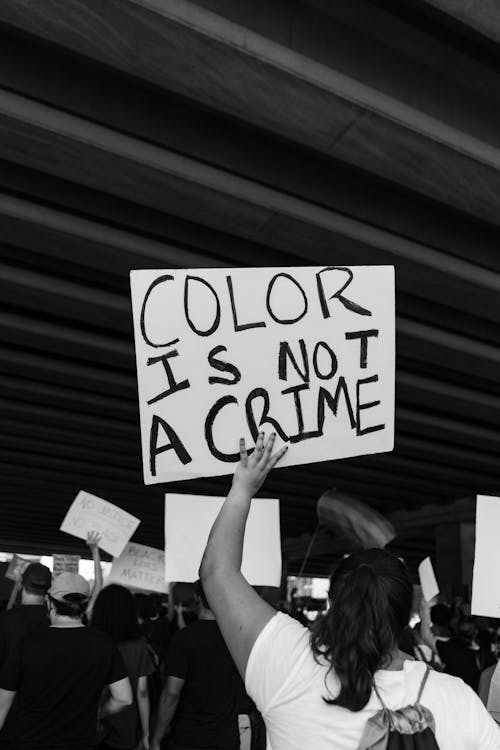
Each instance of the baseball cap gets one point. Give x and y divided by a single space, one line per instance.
37 578
69 583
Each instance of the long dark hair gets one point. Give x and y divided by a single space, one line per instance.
115 613
370 604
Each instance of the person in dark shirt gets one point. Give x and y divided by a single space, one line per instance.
115 613
58 674
462 655
199 702
31 615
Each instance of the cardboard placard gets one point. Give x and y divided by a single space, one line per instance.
140 567
91 513
17 566
430 588
485 582
306 352
65 564
188 521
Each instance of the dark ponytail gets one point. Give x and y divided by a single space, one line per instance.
370 604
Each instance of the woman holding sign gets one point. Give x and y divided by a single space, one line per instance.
327 690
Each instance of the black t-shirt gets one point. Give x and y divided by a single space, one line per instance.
463 662
18 623
158 634
58 675
207 712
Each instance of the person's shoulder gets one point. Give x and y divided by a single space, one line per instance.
454 688
185 635
10 616
97 637
283 623
284 633
6 619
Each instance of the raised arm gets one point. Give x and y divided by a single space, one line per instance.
93 540
179 611
241 614
426 625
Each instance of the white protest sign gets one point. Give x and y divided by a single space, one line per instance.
16 568
428 582
188 521
91 513
65 564
306 352
485 581
140 567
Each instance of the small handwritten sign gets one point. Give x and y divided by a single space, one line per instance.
65 564
16 568
221 353
188 521
91 513
140 567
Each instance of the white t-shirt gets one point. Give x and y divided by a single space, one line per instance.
287 685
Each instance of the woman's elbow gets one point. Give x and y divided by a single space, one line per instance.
207 569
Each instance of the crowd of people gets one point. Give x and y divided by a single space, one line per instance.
109 669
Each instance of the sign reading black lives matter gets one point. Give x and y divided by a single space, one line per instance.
221 353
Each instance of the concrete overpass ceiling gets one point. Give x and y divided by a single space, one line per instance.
141 133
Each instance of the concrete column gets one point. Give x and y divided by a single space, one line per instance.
455 556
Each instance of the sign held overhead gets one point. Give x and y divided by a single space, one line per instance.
221 353
430 588
140 567
91 513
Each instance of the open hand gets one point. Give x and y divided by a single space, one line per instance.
252 470
93 539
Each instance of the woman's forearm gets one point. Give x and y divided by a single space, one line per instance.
225 543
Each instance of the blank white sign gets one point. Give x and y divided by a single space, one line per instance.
307 352
428 582
485 580
91 513
188 521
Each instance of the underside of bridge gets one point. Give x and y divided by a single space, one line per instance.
167 133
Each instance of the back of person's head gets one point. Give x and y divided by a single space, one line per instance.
145 607
200 593
370 604
36 579
155 602
115 613
466 631
441 615
408 641
69 595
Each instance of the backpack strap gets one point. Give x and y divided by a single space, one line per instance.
384 707
422 685
421 654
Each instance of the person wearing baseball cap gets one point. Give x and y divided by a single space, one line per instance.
57 676
31 615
